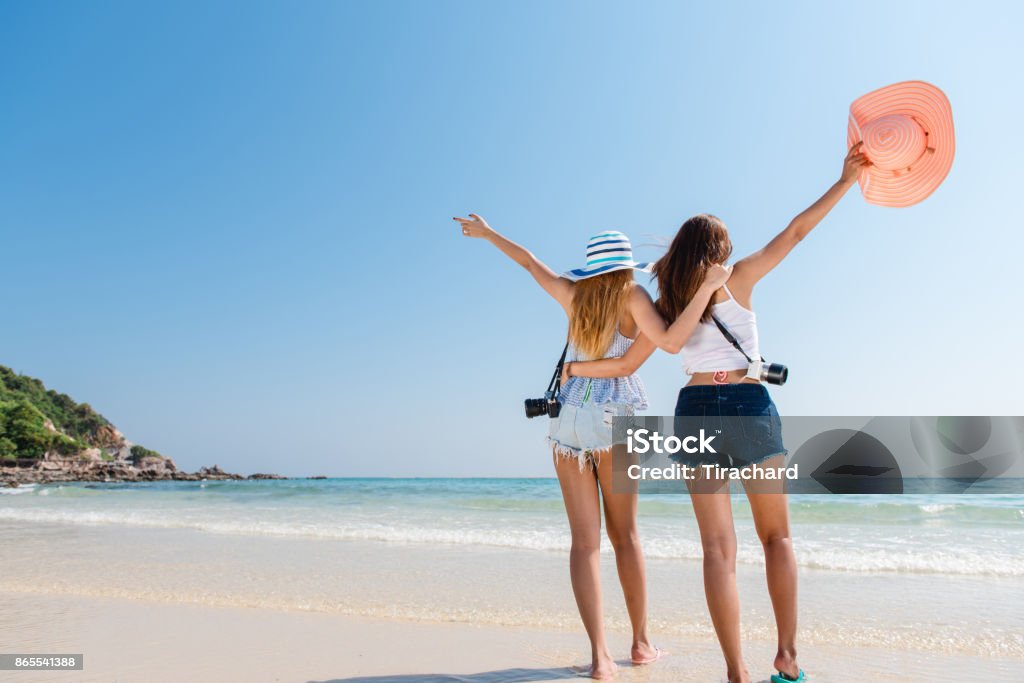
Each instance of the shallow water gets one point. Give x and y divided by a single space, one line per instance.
900 534
920 575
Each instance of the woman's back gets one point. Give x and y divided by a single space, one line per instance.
578 391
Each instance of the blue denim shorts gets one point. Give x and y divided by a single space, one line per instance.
742 417
583 432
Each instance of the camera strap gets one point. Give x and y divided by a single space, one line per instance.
556 379
731 339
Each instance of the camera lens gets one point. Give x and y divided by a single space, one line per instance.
775 374
535 407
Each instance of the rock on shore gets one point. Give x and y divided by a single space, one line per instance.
45 436
91 467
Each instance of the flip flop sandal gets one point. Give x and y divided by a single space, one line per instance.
783 678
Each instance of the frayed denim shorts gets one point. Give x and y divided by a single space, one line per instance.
743 416
584 432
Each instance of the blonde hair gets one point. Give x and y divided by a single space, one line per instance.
597 306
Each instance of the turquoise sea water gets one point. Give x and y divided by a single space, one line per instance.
971 535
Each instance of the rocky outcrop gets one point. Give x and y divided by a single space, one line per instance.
47 437
90 465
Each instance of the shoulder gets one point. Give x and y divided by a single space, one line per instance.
741 284
637 292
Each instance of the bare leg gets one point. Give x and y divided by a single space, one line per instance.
713 508
770 507
583 507
620 515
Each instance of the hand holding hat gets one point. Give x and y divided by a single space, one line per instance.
907 135
854 163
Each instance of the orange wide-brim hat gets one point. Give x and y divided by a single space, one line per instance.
907 129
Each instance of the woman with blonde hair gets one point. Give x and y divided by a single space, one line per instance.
606 314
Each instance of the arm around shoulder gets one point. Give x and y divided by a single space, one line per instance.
621 366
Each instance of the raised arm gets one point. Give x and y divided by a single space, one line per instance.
557 287
621 366
673 337
754 267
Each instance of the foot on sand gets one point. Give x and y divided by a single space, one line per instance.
785 664
645 653
741 676
601 669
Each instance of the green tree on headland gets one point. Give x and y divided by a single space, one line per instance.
26 405
77 420
138 453
23 432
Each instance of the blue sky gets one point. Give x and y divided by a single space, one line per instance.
227 225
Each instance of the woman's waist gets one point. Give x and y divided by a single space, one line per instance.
738 391
627 389
625 380
720 378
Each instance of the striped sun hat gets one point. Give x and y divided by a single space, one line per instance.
606 252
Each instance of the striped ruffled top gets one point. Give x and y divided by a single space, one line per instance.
597 390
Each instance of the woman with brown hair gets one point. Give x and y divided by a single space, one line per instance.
602 323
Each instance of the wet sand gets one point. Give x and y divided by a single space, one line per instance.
178 604
126 640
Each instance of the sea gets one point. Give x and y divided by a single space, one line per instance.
920 575
967 534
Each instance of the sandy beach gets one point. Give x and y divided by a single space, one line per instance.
206 591
132 640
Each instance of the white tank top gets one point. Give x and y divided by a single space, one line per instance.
707 349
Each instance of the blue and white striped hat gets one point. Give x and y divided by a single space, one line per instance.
606 252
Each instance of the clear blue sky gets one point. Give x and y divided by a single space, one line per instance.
227 225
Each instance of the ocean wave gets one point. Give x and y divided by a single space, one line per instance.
936 508
896 554
17 490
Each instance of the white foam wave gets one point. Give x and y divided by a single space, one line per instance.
17 490
896 556
936 508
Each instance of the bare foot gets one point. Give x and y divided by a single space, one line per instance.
644 653
785 663
741 676
602 669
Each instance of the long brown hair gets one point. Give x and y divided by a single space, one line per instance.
597 306
701 242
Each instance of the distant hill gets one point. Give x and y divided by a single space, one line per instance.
36 422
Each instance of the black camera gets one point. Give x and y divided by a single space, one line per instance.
772 373
550 406
761 370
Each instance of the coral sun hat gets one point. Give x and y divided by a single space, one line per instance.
907 130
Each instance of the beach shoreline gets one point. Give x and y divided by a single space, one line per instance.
416 581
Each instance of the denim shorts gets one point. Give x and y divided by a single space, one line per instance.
743 418
583 432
